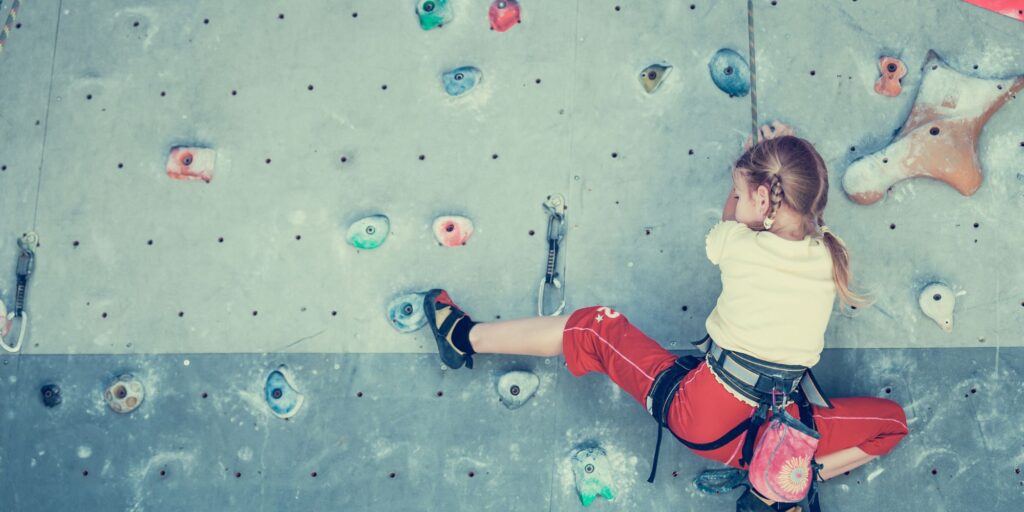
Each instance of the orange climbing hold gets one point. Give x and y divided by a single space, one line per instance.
191 163
939 139
893 71
504 14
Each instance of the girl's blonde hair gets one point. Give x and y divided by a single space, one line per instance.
795 173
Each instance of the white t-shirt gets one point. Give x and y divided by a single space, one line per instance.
777 294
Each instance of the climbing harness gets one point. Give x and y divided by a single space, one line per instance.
759 380
26 261
6 31
555 207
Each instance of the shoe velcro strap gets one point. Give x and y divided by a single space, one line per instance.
446 326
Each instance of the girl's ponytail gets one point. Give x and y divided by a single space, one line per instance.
841 268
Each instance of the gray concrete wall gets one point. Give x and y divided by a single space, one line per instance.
96 93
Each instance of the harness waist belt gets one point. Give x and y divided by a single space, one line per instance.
753 378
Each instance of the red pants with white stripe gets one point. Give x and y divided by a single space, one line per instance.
600 339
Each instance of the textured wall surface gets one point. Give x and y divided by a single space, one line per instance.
325 112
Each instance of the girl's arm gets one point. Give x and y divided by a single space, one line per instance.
729 212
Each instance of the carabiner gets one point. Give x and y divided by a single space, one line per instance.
555 207
541 293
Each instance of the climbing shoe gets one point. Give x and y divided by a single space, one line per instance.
752 501
443 315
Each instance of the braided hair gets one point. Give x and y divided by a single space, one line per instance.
775 185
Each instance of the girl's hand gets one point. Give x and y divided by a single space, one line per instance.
776 129
729 210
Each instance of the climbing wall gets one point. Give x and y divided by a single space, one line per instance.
234 201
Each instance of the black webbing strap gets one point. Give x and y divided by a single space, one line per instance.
663 390
755 422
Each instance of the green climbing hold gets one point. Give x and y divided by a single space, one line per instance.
433 13
590 465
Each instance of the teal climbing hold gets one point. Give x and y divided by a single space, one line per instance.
590 465
369 232
406 312
720 481
282 397
730 72
433 13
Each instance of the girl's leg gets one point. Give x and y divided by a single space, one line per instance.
842 461
857 431
536 336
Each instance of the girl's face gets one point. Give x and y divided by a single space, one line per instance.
751 207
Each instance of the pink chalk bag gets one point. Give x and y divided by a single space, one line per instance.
781 469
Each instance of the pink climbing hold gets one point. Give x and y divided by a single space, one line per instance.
191 163
504 14
939 139
453 230
1011 8
893 70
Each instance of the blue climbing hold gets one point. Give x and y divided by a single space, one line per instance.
406 312
282 397
51 395
730 72
460 80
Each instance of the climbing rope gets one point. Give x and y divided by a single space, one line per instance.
9 23
753 72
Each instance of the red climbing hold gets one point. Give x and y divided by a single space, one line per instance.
1011 8
190 163
893 70
504 14
452 230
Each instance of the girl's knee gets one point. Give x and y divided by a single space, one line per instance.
893 410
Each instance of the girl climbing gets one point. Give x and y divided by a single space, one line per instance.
781 269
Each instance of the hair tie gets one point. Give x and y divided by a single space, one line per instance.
824 229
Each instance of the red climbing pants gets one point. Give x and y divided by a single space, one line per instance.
599 339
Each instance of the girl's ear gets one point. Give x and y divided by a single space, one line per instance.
763 199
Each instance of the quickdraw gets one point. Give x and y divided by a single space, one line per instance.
555 207
26 262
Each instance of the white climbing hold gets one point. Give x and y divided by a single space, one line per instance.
125 394
937 301
515 388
